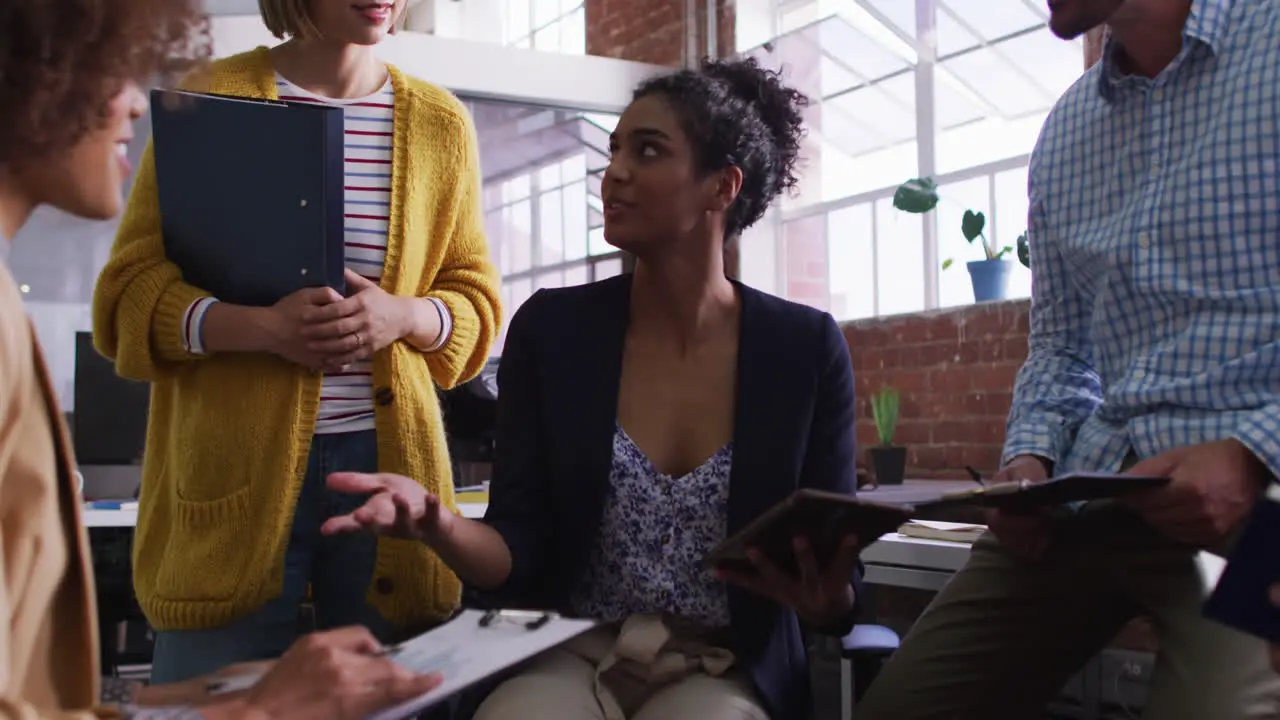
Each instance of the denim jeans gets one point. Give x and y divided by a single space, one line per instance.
338 569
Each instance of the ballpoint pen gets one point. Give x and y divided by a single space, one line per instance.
977 476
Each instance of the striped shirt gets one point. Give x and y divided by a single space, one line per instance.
346 398
1155 213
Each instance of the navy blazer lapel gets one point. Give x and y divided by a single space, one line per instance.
750 475
596 373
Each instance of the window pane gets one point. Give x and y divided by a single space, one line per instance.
517 19
954 287
547 38
576 275
517 188
494 228
516 235
805 251
1011 221
610 267
574 167
544 11
553 279
551 228
984 16
596 244
851 267
520 291
573 33
575 221
549 176
899 260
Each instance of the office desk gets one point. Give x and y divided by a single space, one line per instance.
128 517
902 561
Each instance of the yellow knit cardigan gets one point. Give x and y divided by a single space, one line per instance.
228 435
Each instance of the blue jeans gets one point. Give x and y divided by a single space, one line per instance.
338 569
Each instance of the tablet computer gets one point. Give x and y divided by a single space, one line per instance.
823 518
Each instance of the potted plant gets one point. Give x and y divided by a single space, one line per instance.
889 461
990 276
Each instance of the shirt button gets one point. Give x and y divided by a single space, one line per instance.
1157 94
1139 374
1144 240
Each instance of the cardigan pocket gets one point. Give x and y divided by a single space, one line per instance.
209 549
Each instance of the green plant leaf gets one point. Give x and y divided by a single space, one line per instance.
972 224
948 263
1024 251
916 196
1002 252
884 410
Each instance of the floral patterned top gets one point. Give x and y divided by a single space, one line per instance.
655 534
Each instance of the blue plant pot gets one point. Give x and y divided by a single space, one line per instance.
990 279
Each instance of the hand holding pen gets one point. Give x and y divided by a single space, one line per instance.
344 674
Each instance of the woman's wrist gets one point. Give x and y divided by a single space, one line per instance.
420 324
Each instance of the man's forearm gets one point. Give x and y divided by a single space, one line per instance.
1054 394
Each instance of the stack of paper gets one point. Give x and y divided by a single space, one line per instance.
947 531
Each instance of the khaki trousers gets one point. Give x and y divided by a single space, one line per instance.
1005 635
644 670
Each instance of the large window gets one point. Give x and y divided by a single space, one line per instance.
543 213
551 25
974 78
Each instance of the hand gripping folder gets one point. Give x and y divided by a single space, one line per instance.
251 193
474 645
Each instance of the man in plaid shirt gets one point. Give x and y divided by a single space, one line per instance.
1155 348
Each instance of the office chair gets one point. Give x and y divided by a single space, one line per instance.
862 653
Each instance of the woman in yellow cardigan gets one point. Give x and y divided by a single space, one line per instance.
252 407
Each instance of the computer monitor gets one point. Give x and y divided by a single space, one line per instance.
109 422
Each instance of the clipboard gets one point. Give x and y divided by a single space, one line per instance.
474 645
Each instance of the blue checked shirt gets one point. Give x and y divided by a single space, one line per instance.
1155 251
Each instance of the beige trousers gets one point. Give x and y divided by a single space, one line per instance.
644 670
1005 635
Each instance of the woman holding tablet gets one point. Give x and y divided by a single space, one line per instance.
253 406
643 419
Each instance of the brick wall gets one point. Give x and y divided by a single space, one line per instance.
652 31
954 370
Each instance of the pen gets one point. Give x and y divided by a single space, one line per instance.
977 476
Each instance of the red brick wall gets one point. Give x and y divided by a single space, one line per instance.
954 370
652 31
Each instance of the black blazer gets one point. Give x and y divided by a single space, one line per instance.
557 412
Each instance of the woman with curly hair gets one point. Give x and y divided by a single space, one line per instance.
251 407
68 102
698 403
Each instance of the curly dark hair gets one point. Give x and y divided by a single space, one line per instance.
739 113
62 62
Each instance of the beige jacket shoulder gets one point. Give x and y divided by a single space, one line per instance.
48 627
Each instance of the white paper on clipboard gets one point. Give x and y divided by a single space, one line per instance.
469 648
475 645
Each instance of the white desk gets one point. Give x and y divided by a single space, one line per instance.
903 561
128 517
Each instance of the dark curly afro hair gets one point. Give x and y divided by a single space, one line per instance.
62 62
736 112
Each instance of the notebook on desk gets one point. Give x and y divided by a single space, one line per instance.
251 193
